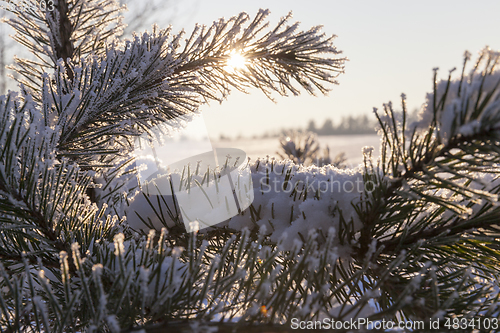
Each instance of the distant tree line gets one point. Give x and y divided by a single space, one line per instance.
348 125
361 124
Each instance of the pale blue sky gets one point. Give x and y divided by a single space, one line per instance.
392 46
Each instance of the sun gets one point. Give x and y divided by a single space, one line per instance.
236 61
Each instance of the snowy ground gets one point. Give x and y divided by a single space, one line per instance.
351 145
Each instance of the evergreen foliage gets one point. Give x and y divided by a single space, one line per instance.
418 241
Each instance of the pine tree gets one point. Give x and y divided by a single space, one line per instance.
413 235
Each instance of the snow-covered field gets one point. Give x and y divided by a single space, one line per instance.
351 145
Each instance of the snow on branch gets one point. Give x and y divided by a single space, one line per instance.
290 200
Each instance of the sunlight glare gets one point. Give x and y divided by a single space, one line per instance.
236 61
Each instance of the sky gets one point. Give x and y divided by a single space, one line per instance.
392 47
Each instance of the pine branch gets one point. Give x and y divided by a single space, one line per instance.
41 199
435 159
150 82
272 59
435 198
421 244
63 45
33 214
72 30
